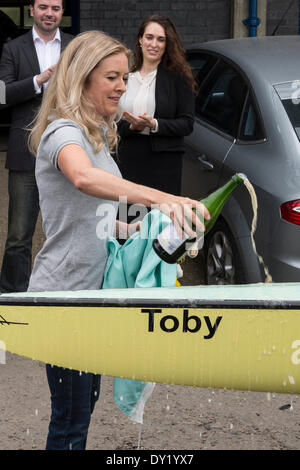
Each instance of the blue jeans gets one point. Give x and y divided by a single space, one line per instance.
23 212
73 397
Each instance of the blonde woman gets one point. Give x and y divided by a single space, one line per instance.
80 185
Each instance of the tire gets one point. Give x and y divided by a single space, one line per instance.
222 261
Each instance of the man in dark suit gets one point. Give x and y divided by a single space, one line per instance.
26 65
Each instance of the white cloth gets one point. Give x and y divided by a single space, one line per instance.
48 53
139 97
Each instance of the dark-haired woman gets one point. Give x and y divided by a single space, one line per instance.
158 108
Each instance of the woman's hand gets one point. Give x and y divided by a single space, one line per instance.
135 227
139 123
136 124
123 230
147 120
181 211
186 221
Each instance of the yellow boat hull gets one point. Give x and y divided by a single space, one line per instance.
238 337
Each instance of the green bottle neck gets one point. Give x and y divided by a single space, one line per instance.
221 195
215 201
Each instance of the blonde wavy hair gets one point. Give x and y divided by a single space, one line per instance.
65 95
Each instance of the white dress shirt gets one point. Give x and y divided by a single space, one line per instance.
48 53
139 97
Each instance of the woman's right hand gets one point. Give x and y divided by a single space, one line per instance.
136 124
181 211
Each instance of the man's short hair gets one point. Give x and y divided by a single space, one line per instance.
63 3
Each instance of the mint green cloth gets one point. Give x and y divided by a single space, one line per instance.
135 264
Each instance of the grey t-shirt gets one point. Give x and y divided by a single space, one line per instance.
76 225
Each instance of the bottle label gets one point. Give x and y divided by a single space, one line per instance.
169 239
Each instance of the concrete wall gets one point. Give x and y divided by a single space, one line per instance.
240 12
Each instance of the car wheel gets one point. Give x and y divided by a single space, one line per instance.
222 262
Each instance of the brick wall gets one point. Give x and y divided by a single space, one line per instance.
196 20
276 10
201 20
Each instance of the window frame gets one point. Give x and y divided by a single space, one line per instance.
250 94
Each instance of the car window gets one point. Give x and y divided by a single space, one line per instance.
220 101
251 128
201 64
289 94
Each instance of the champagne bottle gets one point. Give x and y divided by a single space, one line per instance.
170 247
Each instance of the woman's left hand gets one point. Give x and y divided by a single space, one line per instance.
134 227
123 230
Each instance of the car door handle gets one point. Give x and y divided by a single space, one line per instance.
206 163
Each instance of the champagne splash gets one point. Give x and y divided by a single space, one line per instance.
254 223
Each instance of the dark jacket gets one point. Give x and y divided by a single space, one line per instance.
174 111
18 65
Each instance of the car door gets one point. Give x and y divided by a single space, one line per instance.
219 106
249 155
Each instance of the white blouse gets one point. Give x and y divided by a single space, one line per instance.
139 97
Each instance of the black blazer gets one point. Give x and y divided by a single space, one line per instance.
174 111
18 65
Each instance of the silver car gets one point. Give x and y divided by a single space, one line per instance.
248 121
